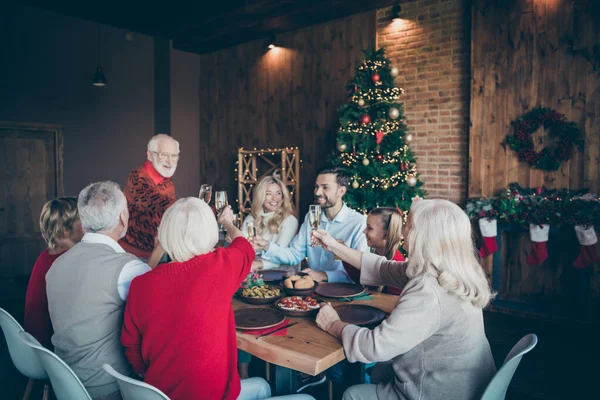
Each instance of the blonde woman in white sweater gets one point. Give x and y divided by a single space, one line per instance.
272 216
433 344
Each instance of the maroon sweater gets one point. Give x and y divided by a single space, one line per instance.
178 327
37 317
148 197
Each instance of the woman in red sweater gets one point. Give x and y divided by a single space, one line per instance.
61 229
178 328
384 235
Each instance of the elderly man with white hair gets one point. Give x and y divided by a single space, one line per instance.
87 287
150 191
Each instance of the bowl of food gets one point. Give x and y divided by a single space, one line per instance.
297 285
255 291
265 294
298 306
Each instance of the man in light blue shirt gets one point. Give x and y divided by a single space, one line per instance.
342 222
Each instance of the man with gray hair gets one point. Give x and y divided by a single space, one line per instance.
87 288
150 191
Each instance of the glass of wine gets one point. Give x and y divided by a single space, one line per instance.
250 229
220 202
205 193
314 217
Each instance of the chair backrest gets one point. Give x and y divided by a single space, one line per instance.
24 358
132 389
65 383
496 389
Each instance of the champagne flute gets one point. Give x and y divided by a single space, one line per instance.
314 217
220 203
250 229
205 193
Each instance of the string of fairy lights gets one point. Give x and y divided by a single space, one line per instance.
371 129
379 129
389 95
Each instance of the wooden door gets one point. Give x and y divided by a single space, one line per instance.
31 174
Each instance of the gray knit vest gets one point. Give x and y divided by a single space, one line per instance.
87 313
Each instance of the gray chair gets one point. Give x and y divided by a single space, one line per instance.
132 389
65 383
23 357
496 389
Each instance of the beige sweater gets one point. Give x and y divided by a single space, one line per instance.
435 342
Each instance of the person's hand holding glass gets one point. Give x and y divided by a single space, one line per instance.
220 203
314 219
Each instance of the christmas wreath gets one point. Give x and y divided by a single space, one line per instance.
550 157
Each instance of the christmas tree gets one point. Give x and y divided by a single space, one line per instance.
372 141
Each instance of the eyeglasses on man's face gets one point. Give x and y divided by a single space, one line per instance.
165 156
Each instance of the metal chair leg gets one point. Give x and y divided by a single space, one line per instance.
28 390
46 394
267 372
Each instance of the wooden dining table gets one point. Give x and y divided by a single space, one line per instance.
305 347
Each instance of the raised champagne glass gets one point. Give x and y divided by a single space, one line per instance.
314 217
220 203
205 193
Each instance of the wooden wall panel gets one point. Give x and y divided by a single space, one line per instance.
528 53
285 97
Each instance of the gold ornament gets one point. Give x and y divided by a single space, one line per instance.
361 102
365 161
385 186
409 137
412 181
342 147
394 113
355 185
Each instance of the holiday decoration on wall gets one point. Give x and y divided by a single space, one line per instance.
566 136
381 164
252 165
539 209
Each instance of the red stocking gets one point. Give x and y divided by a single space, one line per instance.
539 237
489 231
587 250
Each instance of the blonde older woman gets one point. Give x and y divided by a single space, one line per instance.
61 229
272 216
178 329
433 344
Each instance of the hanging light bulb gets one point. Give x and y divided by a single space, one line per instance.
396 9
99 79
271 41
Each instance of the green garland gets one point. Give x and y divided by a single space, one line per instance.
519 205
550 157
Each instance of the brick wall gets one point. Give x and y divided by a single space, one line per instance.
430 45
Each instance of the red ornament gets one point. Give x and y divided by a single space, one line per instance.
375 78
379 136
379 157
402 167
539 190
365 119
355 88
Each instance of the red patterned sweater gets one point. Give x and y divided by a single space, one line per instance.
148 196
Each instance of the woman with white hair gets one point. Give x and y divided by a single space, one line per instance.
272 216
178 328
433 344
